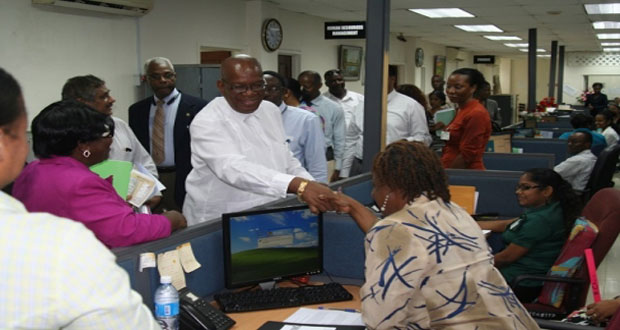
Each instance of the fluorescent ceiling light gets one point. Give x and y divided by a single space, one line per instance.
442 12
479 28
502 37
603 8
608 35
610 43
539 50
611 49
606 25
517 45
544 55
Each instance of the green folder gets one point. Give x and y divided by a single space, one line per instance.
120 172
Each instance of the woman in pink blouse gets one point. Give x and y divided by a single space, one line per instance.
69 137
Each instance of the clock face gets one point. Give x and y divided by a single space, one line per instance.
272 34
419 57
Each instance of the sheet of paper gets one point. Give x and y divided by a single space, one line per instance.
188 260
305 327
147 260
120 172
158 185
325 316
169 263
141 188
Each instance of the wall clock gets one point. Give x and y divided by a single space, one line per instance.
271 34
419 57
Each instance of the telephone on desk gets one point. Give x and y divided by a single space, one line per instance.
198 314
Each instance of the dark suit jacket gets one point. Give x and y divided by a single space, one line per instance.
188 108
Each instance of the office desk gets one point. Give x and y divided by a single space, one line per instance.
253 320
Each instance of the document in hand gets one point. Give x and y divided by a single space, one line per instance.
141 188
119 171
445 116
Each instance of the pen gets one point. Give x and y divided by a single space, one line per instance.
350 310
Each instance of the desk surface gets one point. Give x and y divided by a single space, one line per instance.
253 320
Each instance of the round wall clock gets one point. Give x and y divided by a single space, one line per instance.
272 34
419 57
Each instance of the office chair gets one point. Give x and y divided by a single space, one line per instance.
603 171
603 211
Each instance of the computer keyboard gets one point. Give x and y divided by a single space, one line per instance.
244 301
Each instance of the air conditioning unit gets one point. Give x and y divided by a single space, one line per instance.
455 54
116 7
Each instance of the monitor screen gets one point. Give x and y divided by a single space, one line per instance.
266 245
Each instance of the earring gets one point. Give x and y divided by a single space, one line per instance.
385 202
86 153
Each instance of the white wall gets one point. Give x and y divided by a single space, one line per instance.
43 47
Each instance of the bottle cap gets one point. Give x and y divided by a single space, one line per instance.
165 279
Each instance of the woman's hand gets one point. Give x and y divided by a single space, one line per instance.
153 202
603 310
177 220
364 218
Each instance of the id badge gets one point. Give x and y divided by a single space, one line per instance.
445 135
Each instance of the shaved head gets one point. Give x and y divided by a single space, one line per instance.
242 83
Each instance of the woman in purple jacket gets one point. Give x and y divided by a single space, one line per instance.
69 137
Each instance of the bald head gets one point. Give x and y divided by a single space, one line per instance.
242 83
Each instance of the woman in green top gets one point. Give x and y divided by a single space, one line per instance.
534 240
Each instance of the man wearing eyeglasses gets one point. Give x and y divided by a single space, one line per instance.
240 156
161 123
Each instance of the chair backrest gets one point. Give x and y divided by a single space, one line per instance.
603 211
603 170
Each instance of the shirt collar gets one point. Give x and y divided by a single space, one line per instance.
282 107
392 95
168 99
9 204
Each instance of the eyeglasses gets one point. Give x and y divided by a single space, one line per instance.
240 89
525 187
273 89
157 76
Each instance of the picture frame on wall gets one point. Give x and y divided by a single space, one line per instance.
350 61
439 66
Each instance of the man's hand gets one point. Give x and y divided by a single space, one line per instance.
314 196
335 176
177 220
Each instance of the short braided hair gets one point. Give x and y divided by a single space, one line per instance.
413 169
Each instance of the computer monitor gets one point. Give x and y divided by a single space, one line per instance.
270 245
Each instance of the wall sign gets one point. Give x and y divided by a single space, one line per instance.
484 59
345 30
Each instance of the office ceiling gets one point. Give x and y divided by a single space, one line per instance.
563 20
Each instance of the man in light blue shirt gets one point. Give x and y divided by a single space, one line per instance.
331 112
303 129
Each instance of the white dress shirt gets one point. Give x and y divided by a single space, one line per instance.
349 102
57 275
304 136
125 146
239 161
577 169
333 115
611 137
171 105
406 119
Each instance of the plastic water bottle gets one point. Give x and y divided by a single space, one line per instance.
167 305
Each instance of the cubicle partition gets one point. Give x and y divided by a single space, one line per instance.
343 254
517 162
554 146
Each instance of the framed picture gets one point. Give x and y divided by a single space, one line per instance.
350 62
439 66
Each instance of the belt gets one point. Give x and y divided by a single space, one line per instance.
166 169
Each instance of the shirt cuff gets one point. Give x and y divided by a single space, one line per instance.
338 164
281 181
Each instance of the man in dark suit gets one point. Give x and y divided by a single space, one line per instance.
161 123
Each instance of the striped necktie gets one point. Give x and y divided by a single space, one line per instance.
158 151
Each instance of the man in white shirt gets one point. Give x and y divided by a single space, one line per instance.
337 92
578 168
304 133
406 120
240 157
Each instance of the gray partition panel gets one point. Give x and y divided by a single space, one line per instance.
517 162
531 145
343 253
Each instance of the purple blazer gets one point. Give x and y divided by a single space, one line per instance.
67 188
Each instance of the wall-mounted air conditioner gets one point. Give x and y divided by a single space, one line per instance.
455 54
117 7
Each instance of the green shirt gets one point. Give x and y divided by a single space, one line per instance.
541 231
